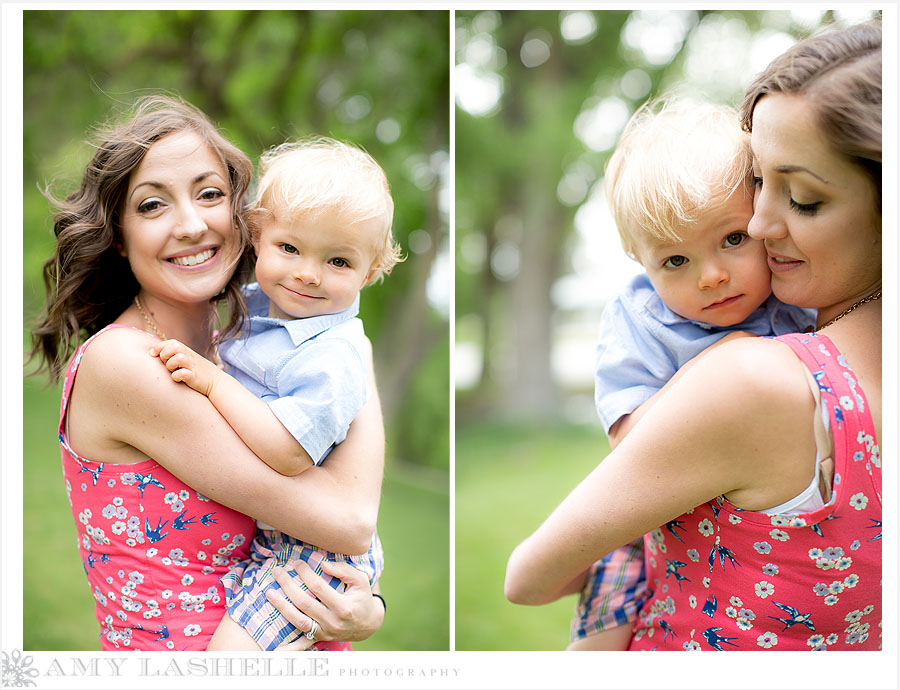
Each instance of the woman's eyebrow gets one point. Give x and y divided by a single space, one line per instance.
159 185
799 168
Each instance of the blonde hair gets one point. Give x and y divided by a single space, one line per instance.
319 174
674 160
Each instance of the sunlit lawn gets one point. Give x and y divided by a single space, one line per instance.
508 479
58 608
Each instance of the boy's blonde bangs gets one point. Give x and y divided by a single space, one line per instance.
322 174
675 159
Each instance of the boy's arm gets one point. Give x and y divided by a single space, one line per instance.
250 417
626 423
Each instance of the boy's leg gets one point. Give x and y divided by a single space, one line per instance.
230 636
610 601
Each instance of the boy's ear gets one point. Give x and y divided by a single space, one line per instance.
370 276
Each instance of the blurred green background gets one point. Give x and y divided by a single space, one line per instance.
541 97
379 79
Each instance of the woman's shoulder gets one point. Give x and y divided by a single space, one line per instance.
764 374
116 358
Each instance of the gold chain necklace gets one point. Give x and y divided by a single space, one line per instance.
150 322
874 296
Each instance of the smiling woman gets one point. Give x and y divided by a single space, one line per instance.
160 486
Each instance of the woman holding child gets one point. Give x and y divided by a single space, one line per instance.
160 485
756 473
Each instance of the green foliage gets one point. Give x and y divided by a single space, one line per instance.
508 479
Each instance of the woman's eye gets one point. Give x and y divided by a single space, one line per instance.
734 239
211 194
340 263
675 261
805 209
149 206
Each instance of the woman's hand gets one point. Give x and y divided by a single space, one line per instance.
353 614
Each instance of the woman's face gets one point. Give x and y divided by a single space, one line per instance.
815 210
176 222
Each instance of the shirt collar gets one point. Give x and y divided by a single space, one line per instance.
300 330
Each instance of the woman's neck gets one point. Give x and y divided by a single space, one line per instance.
828 316
191 323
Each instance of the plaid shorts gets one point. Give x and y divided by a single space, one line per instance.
247 583
613 593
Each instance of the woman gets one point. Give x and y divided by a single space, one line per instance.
160 486
751 554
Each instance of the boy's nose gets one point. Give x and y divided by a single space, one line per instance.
712 276
306 273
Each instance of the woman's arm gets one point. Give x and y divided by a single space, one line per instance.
125 400
721 429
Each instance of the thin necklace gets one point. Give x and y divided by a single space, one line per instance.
873 296
150 322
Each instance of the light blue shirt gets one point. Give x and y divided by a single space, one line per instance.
643 343
309 371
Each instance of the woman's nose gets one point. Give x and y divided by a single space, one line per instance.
190 222
765 222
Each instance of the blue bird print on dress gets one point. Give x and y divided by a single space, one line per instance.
672 525
819 376
95 474
723 552
145 480
716 640
155 534
794 617
180 523
709 608
839 416
817 526
666 629
208 519
104 558
162 631
672 569
877 523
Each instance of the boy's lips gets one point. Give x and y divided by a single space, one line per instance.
304 295
724 302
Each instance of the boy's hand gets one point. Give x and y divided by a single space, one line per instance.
186 365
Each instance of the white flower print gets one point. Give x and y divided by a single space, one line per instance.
736 601
836 587
816 641
780 520
694 555
706 582
692 601
109 512
830 600
166 593
191 630
767 640
779 535
868 610
744 624
85 515
184 494
851 581
762 547
853 616
820 589
859 501
691 646
846 402
170 498
187 579
201 555
705 527
151 552
843 563
764 589
770 569
734 519
731 612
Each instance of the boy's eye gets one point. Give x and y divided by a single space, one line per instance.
757 181
288 248
340 263
734 239
675 261
149 206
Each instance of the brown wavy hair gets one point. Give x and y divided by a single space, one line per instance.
88 283
839 71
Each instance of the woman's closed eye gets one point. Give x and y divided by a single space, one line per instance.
805 209
675 261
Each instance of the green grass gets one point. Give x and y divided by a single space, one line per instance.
58 609
508 479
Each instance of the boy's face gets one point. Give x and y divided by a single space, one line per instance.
717 274
314 264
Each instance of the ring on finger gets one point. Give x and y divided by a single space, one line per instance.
311 635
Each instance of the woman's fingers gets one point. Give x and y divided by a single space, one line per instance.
294 614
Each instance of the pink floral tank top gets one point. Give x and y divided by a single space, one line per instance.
723 578
153 548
